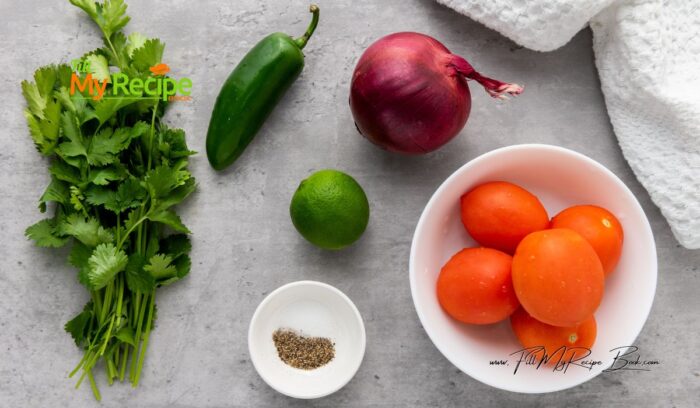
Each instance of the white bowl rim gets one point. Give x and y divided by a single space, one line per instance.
465 167
342 296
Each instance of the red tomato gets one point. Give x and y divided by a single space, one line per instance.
599 227
558 277
475 286
499 215
533 333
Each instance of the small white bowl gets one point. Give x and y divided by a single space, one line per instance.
560 178
313 309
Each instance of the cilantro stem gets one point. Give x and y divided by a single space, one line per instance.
116 56
144 243
96 300
107 305
87 367
120 296
150 139
119 225
131 229
107 336
139 233
137 338
95 391
109 370
80 364
117 350
144 346
135 309
125 356
141 241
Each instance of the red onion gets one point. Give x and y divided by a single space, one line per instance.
409 94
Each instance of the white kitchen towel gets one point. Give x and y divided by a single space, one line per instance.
648 57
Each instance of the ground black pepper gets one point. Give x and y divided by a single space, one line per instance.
306 353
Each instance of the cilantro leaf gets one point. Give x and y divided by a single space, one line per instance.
112 16
86 230
135 41
71 130
99 67
171 219
102 176
63 171
79 325
129 194
71 127
126 335
72 149
106 261
103 147
35 131
45 79
63 75
132 219
108 142
45 131
153 244
45 234
35 101
137 278
88 6
177 195
163 179
176 245
43 111
106 108
139 129
118 56
78 257
159 266
182 265
172 144
76 198
64 96
50 125
57 191
98 195
36 98
148 55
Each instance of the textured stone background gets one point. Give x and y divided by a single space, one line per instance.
244 243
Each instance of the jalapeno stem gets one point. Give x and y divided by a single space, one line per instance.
301 41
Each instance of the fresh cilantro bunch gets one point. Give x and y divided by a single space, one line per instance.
117 171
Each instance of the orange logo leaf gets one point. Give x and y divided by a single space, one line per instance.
159 69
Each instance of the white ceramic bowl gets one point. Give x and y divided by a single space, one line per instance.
314 309
560 178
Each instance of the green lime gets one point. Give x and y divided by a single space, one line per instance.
330 209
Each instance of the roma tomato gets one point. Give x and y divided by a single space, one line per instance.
599 227
559 342
558 277
500 214
475 286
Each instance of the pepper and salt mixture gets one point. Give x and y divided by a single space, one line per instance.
302 352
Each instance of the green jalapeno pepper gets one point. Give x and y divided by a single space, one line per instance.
251 92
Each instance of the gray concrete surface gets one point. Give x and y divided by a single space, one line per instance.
244 243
